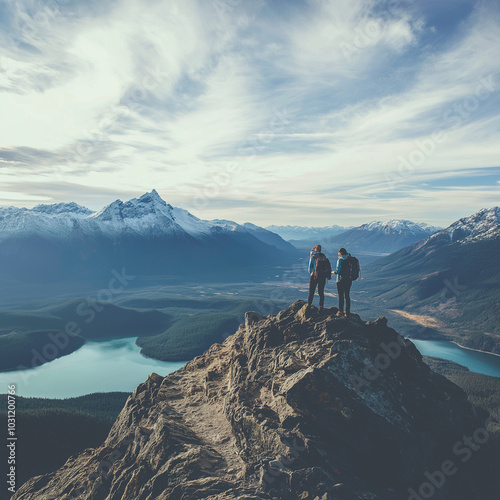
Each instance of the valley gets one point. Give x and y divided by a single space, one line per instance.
174 318
70 345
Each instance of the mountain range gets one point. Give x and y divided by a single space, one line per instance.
372 239
306 233
145 235
447 284
291 406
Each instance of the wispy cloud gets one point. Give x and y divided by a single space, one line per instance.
279 111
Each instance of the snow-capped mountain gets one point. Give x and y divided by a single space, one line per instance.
372 239
483 224
147 234
148 215
289 233
400 226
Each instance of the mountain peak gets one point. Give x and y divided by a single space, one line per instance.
152 197
149 204
302 404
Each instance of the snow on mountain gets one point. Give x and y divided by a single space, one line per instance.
377 237
481 225
57 220
146 235
399 226
15 221
10 210
492 233
63 208
226 225
148 216
429 228
392 226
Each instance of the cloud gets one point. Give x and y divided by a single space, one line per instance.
281 105
332 35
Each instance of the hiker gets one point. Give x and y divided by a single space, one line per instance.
320 270
344 283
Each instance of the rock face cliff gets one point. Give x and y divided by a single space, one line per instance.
298 405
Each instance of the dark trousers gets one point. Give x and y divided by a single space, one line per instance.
344 287
320 283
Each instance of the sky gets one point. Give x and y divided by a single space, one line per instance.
275 112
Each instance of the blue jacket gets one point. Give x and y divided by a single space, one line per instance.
312 262
339 264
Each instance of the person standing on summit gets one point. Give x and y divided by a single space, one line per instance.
344 280
320 270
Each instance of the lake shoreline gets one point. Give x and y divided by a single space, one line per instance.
443 339
474 360
98 366
472 349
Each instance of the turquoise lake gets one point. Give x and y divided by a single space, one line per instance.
475 361
117 365
104 366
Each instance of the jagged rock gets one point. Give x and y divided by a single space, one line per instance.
298 405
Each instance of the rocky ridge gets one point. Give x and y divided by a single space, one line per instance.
299 405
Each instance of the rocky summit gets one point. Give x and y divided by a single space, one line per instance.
304 404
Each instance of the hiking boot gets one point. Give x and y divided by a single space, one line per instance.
340 314
346 315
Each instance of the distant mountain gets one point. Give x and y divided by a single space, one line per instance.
384 237
303 232
447 283
146 235
63 208
399 226
377 238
